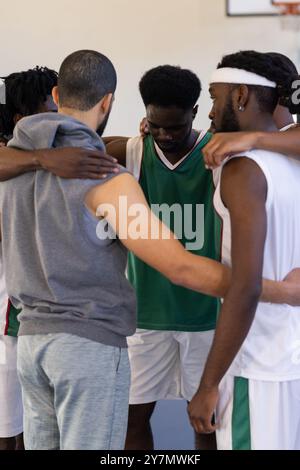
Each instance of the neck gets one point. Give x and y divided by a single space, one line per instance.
190 142
87 117
263 122
282 117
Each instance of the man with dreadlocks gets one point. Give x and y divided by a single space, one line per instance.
28 93
228 143
252 374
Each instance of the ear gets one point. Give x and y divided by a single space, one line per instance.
243 96
106 103
17 118
195 111
55 95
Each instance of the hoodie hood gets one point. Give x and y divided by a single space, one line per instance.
49 130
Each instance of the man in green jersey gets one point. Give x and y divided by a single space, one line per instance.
172 319
175 325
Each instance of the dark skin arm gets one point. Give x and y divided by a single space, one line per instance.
241 177
68 162
111 138
226 144
117 148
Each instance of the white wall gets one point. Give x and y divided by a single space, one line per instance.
136 35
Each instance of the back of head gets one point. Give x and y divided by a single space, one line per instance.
84 78
288 69
25 92
272 66
167 85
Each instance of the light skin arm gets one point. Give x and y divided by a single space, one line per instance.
165 255
168 255
223 145
240 177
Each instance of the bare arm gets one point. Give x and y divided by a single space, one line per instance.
223 145
112 138
71 162
14 162
117 148
287 142
163 253
240 177
168 255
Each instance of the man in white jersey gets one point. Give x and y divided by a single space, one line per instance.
252 375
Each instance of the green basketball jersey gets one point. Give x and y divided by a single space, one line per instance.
13 324
162 305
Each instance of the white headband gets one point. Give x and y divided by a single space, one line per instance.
240 76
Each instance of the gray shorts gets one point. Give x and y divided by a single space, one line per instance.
75 393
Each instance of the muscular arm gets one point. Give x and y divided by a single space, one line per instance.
168 256
225 144
243 191
287 142
117 148
14 162
163 252
72 162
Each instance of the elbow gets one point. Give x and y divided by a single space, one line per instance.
250 291
255 289
177 275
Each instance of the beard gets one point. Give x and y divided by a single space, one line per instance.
103 124
229 122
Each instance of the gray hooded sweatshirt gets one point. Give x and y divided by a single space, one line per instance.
65 279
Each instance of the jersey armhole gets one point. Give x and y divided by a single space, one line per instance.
134 156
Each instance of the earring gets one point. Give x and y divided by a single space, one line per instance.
241 108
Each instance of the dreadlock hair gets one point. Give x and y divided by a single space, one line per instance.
273 66
167 85
285 90
24 94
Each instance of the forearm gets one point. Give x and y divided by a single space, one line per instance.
14 162
278 292
205 275
213 278
107 140
287 143
234 323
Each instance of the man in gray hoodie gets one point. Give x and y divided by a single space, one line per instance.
64 249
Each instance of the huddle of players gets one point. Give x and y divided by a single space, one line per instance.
169 350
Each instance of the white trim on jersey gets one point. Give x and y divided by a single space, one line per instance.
3 300
134 154
170 165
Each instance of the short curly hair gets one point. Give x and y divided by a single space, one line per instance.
168 85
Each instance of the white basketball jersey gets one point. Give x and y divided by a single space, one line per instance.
3 298
271 350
